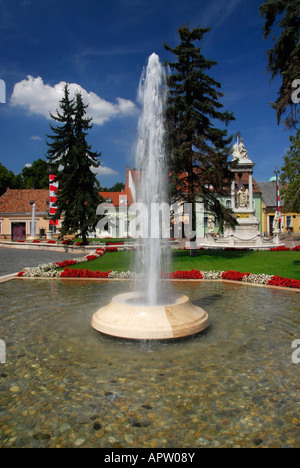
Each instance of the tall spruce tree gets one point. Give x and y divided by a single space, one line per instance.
282 22
198 151
71 160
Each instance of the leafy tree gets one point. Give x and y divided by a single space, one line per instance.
290 176
9 180
36 176
71 159
283 58
198 150
117 187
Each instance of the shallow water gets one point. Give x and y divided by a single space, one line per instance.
66 385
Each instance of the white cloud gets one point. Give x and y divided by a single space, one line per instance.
104 171
39 98
36 138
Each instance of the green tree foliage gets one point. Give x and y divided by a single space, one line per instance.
290 176
117 187
282 21
72 160
198 150
9 180
36 176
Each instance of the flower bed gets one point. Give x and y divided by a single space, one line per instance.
281 248
284 282
80 273
193 274
50 270
234 275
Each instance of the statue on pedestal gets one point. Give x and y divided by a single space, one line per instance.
242 150
242 198
275 225
239 150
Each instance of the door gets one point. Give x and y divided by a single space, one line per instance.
18 231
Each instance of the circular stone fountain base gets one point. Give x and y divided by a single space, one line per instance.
127 317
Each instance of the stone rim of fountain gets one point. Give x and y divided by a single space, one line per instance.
123 319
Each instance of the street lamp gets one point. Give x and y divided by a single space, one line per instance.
32 230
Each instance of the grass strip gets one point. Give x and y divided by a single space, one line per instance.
286 264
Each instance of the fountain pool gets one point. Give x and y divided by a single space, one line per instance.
66 385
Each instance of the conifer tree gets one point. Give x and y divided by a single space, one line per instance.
282 23
198 150
72 160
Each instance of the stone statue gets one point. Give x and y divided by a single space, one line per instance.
211 224
276 222
236 151
240 198
242 150
239 150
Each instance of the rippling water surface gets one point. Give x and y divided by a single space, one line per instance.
66 385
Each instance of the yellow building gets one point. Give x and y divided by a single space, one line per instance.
290 222
16 214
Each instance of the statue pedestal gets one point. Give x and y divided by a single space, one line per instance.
276 239
248 225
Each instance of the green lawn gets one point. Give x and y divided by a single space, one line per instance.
286 264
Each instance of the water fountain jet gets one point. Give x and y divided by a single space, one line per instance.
147 314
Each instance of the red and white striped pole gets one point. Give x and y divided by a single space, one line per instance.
53 186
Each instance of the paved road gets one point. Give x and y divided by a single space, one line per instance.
14 260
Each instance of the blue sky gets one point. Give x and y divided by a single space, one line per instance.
101 48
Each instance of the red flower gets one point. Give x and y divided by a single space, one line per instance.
91 257
193 274
284 282
234 275
280 248
79 273
66 263
111 249
297 248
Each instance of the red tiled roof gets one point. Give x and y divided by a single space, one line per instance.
18 201
115 197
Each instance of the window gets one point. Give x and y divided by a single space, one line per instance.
289 223
228 204
0 226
